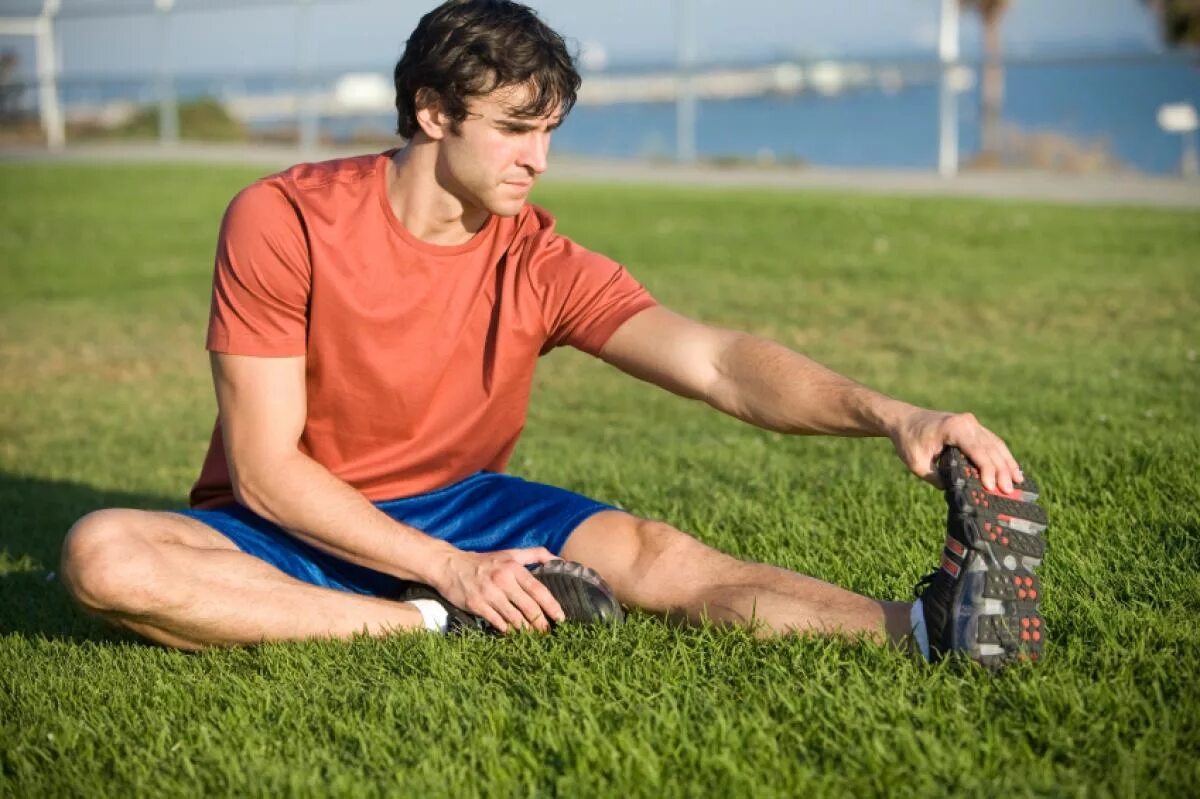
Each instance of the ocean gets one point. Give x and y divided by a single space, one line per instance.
1107 104
1114 105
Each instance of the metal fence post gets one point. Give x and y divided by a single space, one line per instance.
948 105
49 105
168 105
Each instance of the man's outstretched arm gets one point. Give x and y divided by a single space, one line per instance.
768 385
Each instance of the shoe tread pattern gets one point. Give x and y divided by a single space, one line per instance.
977 501
1008 558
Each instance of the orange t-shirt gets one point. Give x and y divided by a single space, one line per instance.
419 357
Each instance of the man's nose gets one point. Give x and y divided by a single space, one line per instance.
535 152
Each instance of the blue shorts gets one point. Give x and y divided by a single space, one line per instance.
483 513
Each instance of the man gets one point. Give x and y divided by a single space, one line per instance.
375 324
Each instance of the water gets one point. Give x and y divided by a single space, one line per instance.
1114 102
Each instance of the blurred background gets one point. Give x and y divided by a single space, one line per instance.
1079 86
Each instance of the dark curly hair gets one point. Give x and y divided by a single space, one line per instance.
469 48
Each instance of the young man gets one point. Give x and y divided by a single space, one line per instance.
375 325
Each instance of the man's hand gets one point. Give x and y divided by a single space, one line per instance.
498 587
920 436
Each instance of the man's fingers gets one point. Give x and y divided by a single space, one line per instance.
502 604
987 474
984 461
515 595
531 612
1006 473
547 604
1014 468
995 466
1010 474
531 599
490 615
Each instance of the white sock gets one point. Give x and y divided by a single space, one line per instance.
433 613
920 634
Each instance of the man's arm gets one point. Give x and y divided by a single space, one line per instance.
263 408
770 386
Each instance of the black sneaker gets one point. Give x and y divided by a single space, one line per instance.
584 596
983 600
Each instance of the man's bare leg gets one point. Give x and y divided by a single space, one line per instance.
655 567
176 581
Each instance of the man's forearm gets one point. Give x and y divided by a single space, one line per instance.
770 386
305 498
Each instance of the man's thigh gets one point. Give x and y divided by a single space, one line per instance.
649 564
151 527
107 542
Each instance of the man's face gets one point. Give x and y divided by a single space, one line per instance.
491 163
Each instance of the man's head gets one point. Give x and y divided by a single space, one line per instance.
470 48
486 81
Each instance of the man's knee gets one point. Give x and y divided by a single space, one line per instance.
660 546
106 561
650 563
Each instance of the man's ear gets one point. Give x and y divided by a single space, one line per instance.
431 117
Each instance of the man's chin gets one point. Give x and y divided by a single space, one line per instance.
507 208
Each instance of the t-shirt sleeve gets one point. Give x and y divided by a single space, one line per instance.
584 296
261 278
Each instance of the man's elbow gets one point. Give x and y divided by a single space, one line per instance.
248 495
254 483
245 495
722 387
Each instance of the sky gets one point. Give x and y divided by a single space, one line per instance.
219 36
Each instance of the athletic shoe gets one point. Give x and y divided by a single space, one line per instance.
983 600
582 593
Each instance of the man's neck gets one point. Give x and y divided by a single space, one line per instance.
425 207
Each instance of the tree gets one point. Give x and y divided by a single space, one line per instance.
1179 19
992 87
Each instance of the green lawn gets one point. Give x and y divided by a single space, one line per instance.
1072 332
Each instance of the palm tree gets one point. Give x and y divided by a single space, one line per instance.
992 88
1180 20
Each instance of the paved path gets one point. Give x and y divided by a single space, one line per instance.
1124 189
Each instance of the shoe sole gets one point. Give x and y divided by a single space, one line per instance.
581 592
997 618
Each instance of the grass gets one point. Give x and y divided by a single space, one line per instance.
1073 332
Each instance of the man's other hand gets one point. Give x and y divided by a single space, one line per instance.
498 587
920 436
